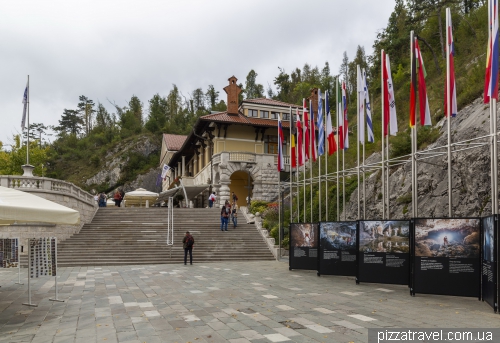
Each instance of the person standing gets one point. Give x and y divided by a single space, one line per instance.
118 198
211 200
224 218
187 244
235 199
234 215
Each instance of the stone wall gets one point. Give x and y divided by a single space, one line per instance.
61 192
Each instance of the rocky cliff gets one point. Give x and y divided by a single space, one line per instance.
121 164
470 175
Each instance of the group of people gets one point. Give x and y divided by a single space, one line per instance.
229 211
102 199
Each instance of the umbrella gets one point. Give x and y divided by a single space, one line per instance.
23 207
137 196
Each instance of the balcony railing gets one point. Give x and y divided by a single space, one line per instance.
241 157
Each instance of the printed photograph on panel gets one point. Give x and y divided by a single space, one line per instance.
389 236
338 235
488 241
303 235
447 238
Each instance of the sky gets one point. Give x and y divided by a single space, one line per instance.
111 50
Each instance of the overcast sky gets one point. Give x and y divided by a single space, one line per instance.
115 49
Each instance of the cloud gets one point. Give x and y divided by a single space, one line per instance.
115 49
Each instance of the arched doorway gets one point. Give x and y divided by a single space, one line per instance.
240 182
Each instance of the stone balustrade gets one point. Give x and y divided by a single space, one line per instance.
58 191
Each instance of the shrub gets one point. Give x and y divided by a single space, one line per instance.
258 206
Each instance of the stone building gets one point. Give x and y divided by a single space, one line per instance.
231 151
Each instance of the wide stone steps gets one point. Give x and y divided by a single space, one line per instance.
126 236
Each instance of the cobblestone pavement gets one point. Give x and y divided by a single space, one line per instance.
219 302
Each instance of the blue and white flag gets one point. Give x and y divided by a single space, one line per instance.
164 170
369 123
320 126
25 102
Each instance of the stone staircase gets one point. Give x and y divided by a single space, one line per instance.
127 236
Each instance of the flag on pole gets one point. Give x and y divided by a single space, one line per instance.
391 104
332 145
345 123
413 84
293 132
385 94
25 102
164 170
451 89
340 114
425 112
281 162
300 146
491 78
321 127
314 149
369 123
361 105
305 127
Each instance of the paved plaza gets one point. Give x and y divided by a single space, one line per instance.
219 302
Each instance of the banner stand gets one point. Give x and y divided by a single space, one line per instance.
18 265
55 276
29 283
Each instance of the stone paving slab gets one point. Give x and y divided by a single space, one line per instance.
236 302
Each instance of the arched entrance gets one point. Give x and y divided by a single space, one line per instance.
240 182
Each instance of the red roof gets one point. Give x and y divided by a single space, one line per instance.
240 118
270 102
173 142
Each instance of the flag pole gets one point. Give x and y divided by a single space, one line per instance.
448 105
338 142
364 185
28 128
326 164
310 162
304 159
319 159
387 177
279 212
382 59
413 129
359 137
290 165
343 157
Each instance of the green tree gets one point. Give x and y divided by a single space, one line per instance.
11 161
70 122
212 97
157 117
252 89
86 111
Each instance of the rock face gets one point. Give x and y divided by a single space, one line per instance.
470 175
117 159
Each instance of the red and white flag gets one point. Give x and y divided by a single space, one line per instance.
390 117
305 127
450 89
425 112
314 146
332 145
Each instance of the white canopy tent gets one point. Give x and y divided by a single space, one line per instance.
139 197
22 207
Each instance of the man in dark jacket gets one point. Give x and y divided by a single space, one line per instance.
187 244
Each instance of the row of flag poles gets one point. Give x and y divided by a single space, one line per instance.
306 148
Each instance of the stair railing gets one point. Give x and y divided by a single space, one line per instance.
170 221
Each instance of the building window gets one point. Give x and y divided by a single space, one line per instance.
264 114
286 116
253 113
275 115
271 145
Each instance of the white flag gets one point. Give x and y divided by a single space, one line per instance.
393 119
164 171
